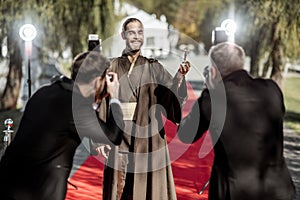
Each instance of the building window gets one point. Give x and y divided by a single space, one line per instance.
150 41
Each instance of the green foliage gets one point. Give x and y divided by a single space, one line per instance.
60 24
193 18
268 30
66 23
268 20
169 8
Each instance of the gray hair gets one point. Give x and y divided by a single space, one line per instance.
227 57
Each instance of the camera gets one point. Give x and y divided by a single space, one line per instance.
94 44
224 33
104 91
105 87
100 94
219 35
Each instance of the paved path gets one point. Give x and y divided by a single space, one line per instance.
292 155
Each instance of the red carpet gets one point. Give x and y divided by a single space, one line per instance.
191 169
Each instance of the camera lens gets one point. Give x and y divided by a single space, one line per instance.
110 77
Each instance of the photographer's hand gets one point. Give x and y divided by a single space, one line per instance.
112 84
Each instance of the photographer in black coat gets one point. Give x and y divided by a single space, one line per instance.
38 162
245 119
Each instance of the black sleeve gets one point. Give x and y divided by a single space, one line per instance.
89 125
170 96
193 126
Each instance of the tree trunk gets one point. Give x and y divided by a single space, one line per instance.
266 66
255 52
11 92
278 63
254 62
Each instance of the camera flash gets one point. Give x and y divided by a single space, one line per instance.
93 37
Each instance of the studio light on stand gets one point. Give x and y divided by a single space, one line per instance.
27 33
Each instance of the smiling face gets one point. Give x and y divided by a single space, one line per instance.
134 36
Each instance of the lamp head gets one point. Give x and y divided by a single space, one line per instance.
8 123
229 26
27 32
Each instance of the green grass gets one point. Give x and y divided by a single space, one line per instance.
291 92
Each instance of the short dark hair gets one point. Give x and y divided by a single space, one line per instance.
129 20
88 65
77 61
